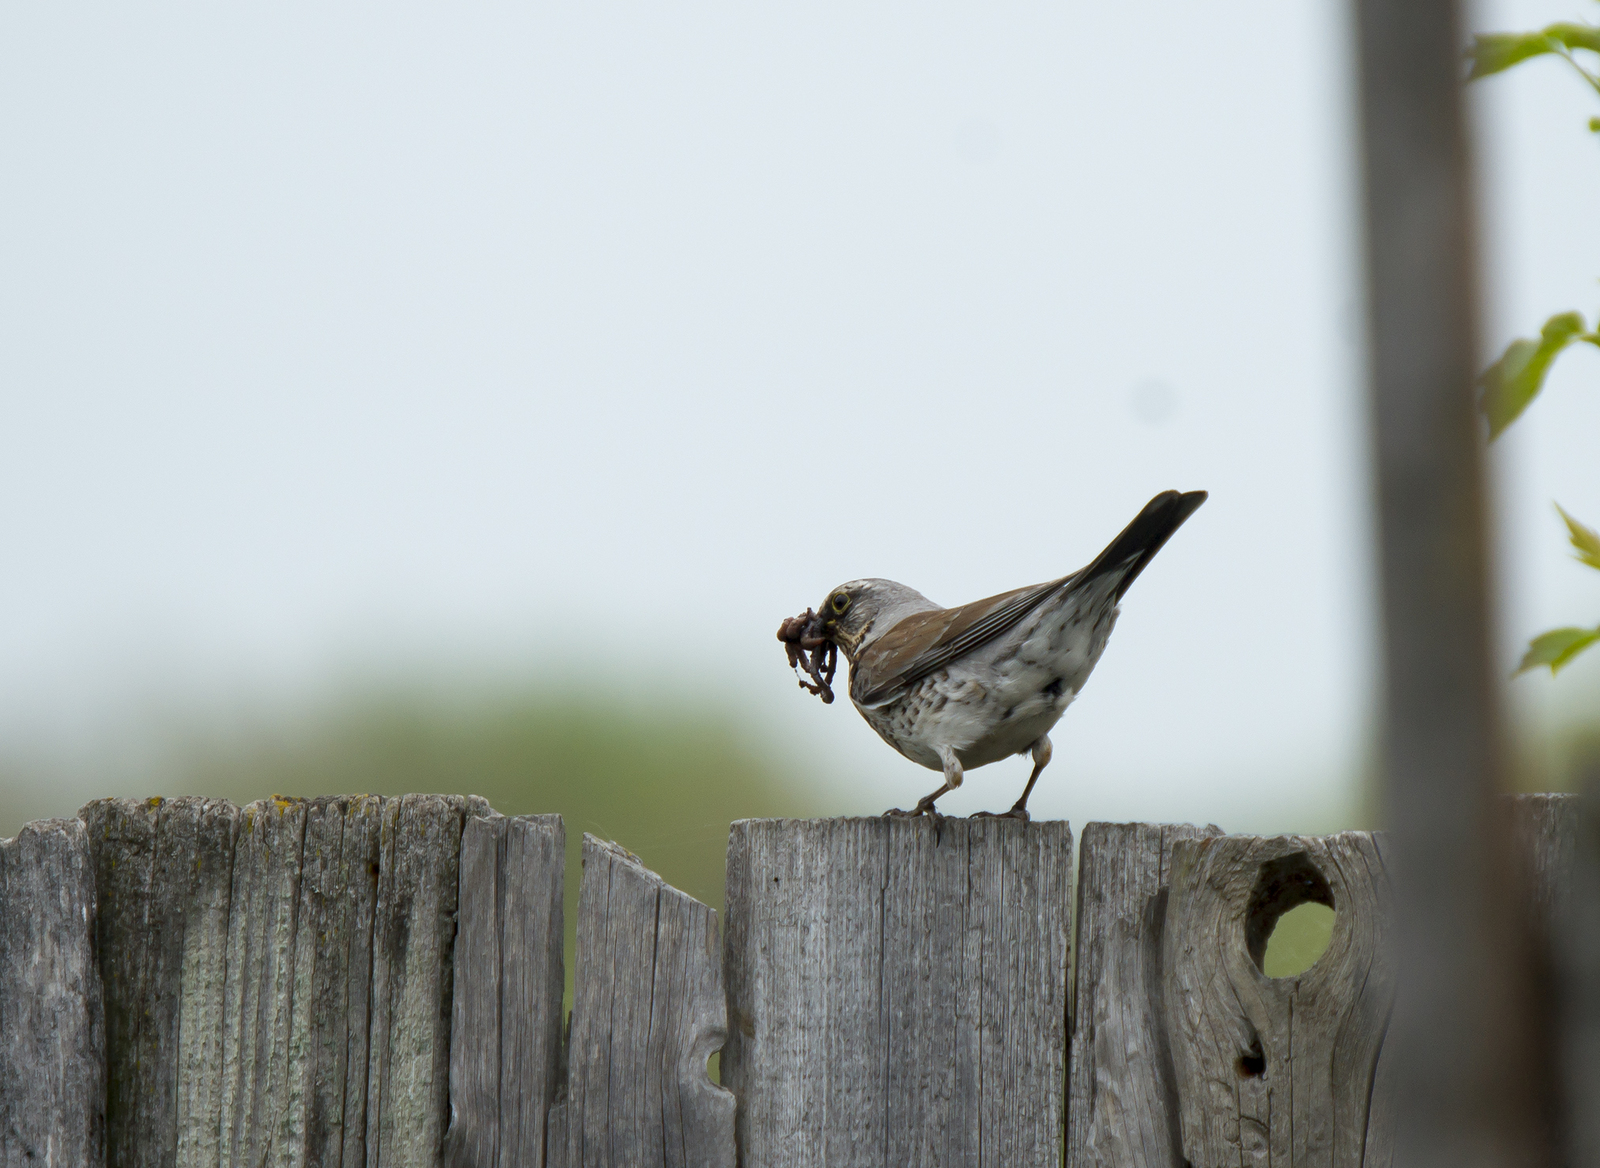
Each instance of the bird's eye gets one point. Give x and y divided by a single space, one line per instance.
840 602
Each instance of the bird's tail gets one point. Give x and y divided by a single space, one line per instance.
1142 539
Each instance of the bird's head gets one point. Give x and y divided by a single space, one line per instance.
853 613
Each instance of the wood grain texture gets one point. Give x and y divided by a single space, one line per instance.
1545 838
259 1119
1276 1070
505 1035
278 978
1122 1104
52 1034
299 967
648 1012
163 879
408 1075
333 979
897 991
1556 839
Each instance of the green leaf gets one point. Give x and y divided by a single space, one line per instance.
1594 125
1585 539
1557 648
1512 382
1575 36
1495 52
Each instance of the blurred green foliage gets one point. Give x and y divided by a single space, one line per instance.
664 781
1495 52
1559 646
1512 382
1516 378
1298 939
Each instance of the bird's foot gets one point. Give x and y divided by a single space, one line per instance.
1020 813
927 809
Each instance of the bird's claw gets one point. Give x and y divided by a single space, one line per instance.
1017 813
930 811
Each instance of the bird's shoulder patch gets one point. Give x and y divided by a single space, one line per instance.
924 641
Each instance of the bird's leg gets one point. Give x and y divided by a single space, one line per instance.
1019 809
1041 759
924 806
952 780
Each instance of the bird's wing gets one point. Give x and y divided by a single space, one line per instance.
925 641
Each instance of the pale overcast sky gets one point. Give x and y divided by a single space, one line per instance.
334 338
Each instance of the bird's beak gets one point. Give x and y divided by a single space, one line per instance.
827 625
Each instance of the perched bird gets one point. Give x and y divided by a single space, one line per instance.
956 688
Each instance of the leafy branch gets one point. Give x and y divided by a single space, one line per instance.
1496 52
1559 646
1512 382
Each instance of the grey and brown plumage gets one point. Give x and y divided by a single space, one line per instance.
957 688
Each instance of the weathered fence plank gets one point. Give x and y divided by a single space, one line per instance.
52 1038
648 1013
1544 834
259 1120
299 966
278 978
1122 1105
163 877
897 991
1557 840
505 1036
1577 963
1276 1070
408 1086
338 900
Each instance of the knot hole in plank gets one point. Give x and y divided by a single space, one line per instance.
1277 1069
1283 885
1252 1063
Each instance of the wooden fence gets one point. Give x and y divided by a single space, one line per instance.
361 981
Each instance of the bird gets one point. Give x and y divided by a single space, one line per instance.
958 688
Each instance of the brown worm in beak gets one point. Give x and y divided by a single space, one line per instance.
809 648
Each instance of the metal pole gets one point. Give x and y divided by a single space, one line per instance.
1460 1038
